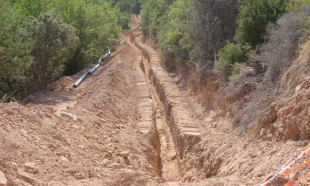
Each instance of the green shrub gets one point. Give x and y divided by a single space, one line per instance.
296 5
228 55
254 17
55 43
291 30
15 47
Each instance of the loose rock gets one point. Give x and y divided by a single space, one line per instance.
62 158
124 154
14 166
116 166
31 168
24 132
293 176
105 162
79 176
26 178
3 180
68 115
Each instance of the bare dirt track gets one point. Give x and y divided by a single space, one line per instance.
130 123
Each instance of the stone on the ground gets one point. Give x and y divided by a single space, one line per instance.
31 168
128 175
294 176
105 162
3 180
68 115
173 183
14 166
24 132
124 154
62 158
116 166
79 176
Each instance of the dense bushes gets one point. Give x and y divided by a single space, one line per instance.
278 53
253 21
193 30
215 33
54 43
171 37
153 12
254 17
42 39
229 55
15 48
96 24
212 23
126 8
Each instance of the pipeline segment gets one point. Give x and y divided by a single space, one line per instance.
100 60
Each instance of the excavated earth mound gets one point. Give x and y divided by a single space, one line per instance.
88 138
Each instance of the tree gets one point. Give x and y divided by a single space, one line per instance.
97 24
55 43
153 12
15 50
36 46
125 9
212 23
254 17
33 7
229 55
171 36
136 7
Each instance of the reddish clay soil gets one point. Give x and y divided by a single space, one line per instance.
131 124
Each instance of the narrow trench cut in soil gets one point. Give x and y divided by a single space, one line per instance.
168 165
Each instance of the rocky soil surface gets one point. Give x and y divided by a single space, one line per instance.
132 123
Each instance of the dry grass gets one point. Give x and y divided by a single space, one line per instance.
281 64
296 72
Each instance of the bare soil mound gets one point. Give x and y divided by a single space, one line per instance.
86 136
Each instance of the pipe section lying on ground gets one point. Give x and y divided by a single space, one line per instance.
94 69
100 60
76 84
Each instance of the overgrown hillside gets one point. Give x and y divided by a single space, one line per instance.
40 41
238 55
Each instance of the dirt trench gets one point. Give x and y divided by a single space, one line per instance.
151 112
165 116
